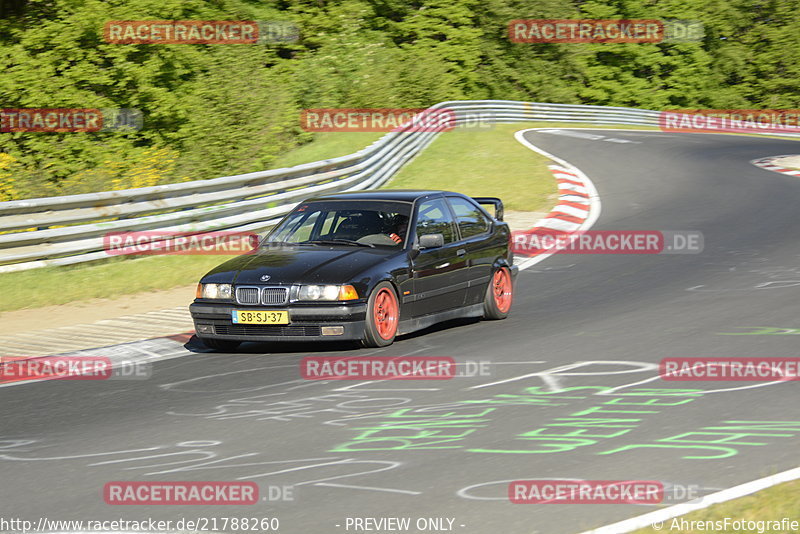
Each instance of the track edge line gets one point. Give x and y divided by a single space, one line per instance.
659 516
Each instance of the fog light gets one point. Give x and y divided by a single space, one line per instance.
332 330
205 329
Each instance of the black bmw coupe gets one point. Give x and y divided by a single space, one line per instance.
367 265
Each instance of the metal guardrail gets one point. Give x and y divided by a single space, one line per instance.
66 230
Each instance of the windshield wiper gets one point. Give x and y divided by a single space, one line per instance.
338 241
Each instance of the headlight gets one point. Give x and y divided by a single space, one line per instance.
215 291
328 292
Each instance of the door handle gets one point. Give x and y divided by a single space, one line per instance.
460 252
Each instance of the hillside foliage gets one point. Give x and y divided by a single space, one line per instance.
214 110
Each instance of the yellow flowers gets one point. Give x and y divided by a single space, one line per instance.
7 189
155 168
131 169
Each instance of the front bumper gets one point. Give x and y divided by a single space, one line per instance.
306 322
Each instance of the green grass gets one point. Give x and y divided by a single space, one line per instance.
482 162
105 279
771 504
327 145
485 162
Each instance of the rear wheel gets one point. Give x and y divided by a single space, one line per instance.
223 345
499 295
383 316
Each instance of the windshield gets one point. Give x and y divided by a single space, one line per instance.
345 222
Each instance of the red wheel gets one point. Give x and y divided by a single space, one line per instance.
499 295
502 290
383 316
385 313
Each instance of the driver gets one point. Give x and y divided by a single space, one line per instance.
398 228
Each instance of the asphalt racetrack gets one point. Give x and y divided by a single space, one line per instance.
574 391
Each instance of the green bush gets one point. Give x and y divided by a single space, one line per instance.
213 110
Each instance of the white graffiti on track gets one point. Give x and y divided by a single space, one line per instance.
266 408
206 456
344 405
744 277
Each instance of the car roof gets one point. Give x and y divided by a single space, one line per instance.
402 195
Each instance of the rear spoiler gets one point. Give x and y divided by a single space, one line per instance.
494 201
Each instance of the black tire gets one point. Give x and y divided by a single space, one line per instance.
373 328
222 345
494 308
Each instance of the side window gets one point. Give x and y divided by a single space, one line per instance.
435 218
471 221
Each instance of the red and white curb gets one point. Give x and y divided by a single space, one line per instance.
134 354
121 342
771 164
106 332
577 210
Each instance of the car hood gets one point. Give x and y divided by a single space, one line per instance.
299 264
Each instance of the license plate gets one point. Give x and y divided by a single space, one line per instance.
259 317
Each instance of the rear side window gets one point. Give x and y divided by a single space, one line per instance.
471 221
435 218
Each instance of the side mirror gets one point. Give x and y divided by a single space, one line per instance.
431 241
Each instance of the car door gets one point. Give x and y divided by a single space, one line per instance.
475 229
439 274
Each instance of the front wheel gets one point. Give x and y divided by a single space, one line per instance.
383 316
499 295
222 345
